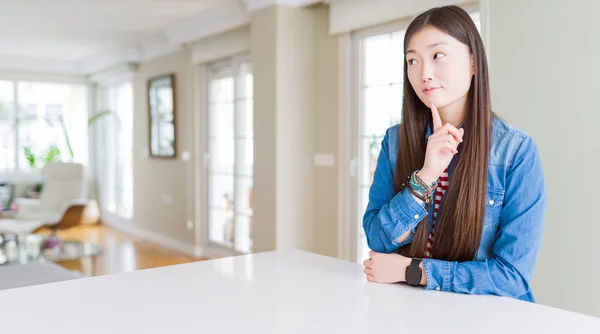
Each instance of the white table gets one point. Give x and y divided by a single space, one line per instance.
277 292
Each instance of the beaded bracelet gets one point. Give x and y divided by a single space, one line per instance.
417 179
419 188
427 200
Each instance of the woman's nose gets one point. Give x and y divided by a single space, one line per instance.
426 72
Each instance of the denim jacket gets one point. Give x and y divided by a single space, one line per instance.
512 228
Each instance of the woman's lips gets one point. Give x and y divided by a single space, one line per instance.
429 90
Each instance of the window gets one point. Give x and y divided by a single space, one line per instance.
230 153
49 120
380 96
8 141
115 157
379 84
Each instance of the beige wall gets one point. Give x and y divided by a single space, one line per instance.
283 56
295 107
325 136
264 43
217 47
352 15
162 186
543 70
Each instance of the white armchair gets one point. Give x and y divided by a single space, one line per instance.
63 187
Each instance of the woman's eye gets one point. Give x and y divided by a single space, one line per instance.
438 55
412 61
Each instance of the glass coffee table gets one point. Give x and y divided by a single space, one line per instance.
21 249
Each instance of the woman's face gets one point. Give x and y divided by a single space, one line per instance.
439 67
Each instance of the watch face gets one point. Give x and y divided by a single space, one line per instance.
413 275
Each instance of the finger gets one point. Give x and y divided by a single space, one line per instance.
450 138
368 271
367 263
462 132
446 141
449 128
442 140
447 137
370 278
451 147
451 143
371 254
443 134
437 120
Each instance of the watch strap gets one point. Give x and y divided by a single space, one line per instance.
414 278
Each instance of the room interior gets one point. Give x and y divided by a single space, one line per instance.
143 134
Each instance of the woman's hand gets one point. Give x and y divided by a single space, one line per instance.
386 268
442 145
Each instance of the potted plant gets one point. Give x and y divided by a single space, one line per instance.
35 162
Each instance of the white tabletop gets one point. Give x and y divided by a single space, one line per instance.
276 292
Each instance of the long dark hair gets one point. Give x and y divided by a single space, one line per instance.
460 222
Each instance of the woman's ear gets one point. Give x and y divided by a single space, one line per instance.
472 65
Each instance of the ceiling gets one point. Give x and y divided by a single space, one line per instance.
73 32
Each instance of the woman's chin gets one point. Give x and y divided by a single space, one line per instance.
429 100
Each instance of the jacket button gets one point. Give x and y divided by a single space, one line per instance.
437 288
491 202
416 216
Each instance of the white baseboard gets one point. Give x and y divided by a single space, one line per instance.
129 228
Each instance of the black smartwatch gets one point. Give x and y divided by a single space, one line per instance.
414 273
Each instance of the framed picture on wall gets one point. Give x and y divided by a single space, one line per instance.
161 112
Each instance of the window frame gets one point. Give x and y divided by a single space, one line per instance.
105 130
17 119
235 63
356 127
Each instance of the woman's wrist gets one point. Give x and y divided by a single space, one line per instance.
421 189
426 176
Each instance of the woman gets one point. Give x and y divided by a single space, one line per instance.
458 197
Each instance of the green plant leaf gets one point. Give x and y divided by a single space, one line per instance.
99 115
67 140
52 155
30 157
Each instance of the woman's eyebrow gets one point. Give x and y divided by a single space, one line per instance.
429 47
